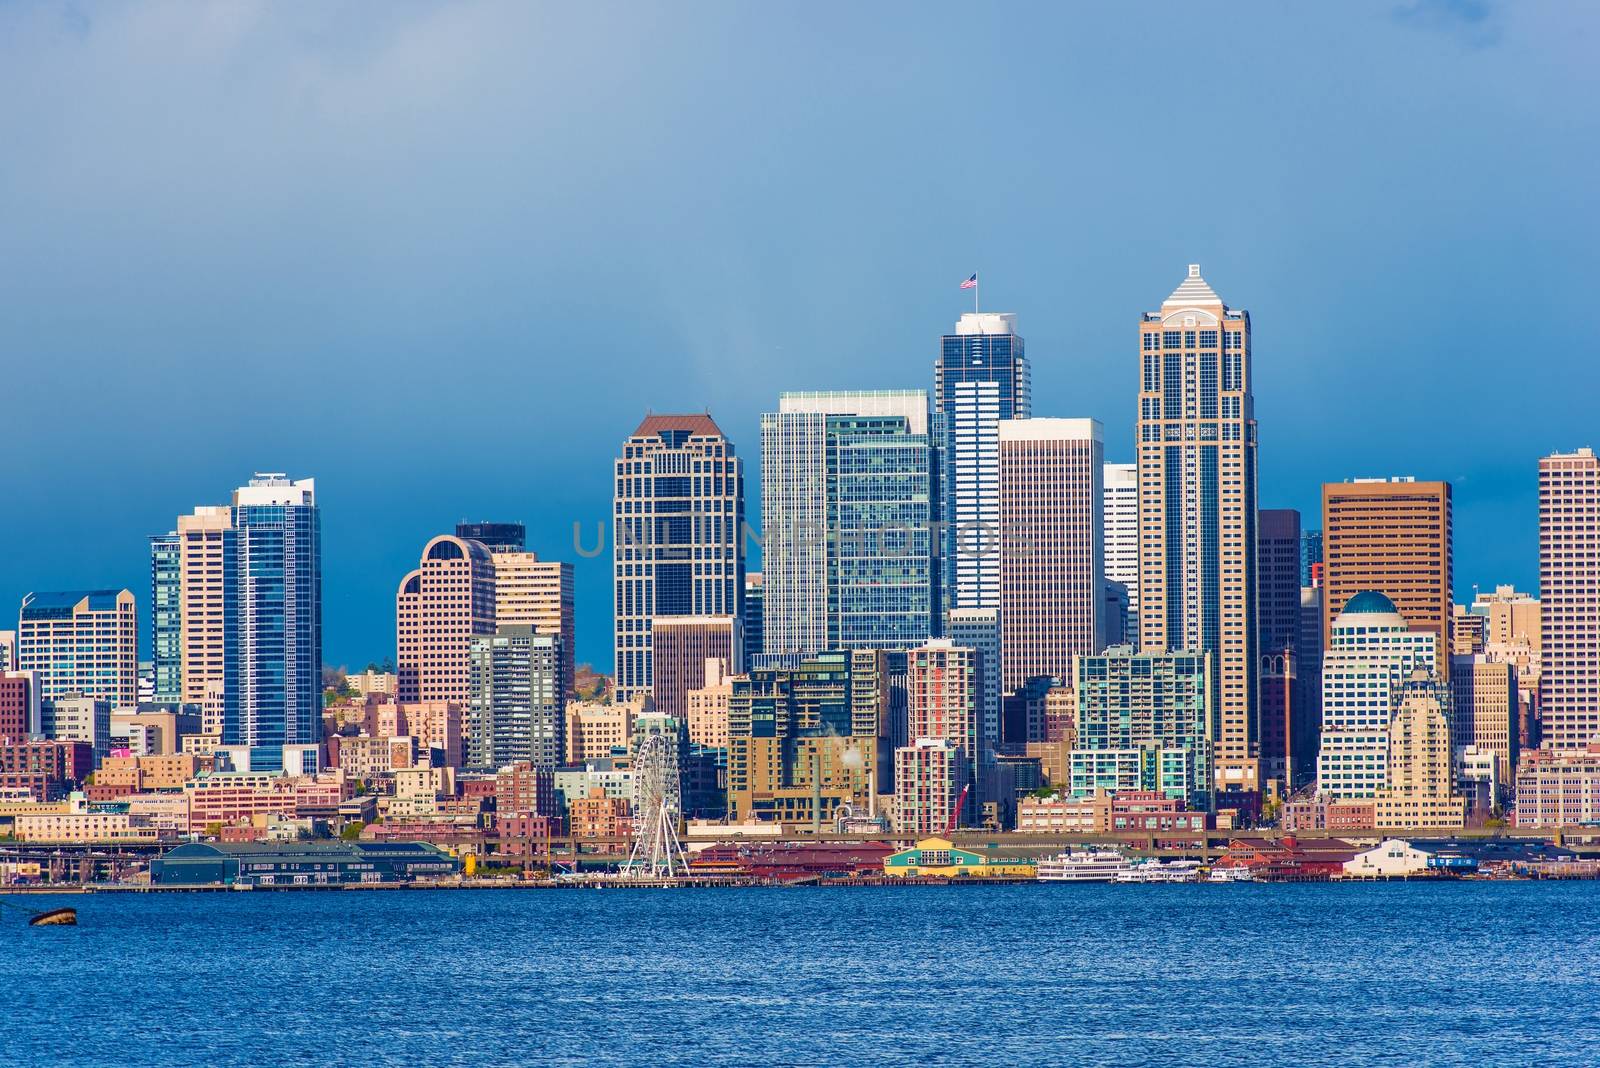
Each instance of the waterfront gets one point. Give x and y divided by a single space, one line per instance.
1369 973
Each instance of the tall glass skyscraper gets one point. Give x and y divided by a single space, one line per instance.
677 519
1197 507
849 498
273 636
166 616
980 378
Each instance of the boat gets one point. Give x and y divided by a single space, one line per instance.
1153 871
55 918
1231 875
1082 866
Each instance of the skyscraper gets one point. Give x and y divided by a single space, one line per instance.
980 378
1278 637
1371 653
849 490
273 689
208 592
1420 791
978 629
166 617
754 614
943 691
1197 505
1391 535
440 607
81 643
677 519
1569 598
1120 518
1050 545
537 593
515 707
1310 557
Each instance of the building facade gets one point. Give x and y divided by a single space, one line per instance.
1371 653
850 485
1421 788
1569 598
677 535
81 643
1120 523
1284 730
273 674
515 708
440 607
1144 722
680 646
980 378
1197 506
1051 555
1392 535
536 593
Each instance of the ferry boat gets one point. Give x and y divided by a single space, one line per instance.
1231 875
1153 871
1082 866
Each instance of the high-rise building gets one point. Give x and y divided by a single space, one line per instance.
806 738
980 378
849 492
1569 599
1483 711
1120 518
81 643
20 712
1371 653
706 706
79 719
1467 629
978 629
166 618
1051 557
943 688
929 776
273 690
1512 635
208 588
1391 535
8 650
1310 558
1144 722
677 549
496 537
1197 506
536 593
1420 791
679 649
515 707
754 632
1306 709
1278 637
440 607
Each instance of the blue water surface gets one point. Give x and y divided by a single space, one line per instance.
1412 973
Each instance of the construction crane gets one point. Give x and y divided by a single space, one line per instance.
955 813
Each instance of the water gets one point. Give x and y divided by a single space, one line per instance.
1051 974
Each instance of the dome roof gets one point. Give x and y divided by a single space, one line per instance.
1370 602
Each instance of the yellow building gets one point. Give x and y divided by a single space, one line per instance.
1420 793
940 858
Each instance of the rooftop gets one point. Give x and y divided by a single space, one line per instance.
699 424
1192 292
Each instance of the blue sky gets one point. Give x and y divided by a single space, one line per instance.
444 257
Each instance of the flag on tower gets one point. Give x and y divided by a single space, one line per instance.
971 283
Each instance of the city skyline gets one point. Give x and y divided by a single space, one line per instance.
720 322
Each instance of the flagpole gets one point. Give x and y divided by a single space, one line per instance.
975 285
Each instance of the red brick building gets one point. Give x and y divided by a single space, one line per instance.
46 769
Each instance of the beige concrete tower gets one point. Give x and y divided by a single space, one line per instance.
1197 506
203 589
439 607
1569 599
537 593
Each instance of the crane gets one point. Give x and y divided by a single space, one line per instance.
955 813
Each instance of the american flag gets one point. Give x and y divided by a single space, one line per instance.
971 283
